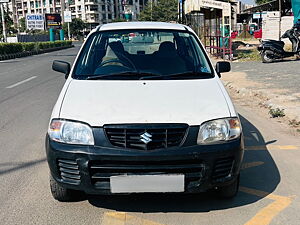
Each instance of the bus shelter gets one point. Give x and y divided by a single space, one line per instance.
212 22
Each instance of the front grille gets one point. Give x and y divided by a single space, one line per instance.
162 136
222 169
69 171
101 171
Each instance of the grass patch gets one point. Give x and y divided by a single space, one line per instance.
239 38
244 55
276 112
294 123
11 48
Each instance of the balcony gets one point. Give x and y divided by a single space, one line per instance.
92 9
91 2
92 20
91 12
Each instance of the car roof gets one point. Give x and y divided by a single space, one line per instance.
141 25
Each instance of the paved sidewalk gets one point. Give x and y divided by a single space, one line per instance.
275 85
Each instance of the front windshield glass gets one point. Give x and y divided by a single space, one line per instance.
137 54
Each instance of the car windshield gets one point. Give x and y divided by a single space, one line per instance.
142 54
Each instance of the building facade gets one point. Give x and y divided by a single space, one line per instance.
92 12
209 17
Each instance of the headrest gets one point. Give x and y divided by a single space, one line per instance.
167 49
117 46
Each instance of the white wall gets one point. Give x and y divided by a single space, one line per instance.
12 39
270 25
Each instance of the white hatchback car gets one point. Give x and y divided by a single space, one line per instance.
143 114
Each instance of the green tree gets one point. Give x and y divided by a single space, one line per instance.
118 20
76 27
8 22
22 24
162 10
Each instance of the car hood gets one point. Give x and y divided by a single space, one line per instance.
99 102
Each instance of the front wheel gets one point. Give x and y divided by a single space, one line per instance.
231 190
60 193
266 56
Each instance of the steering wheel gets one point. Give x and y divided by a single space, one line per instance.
117 60
112 61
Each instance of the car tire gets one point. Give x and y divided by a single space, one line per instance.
60 193
229 191
265 56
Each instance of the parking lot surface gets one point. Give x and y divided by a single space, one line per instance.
278 75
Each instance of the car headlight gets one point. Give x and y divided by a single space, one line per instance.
71 132
219 130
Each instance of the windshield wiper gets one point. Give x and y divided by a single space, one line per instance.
136 75
184 75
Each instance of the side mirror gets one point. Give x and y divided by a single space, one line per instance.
222 67
62 67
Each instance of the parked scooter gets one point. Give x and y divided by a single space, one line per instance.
271 50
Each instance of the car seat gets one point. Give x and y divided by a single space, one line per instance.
168 60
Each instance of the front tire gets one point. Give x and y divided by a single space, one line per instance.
266 56
60 193
231 190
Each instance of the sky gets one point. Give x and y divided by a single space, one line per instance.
249 1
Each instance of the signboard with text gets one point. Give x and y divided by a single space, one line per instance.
53 21
258 15
196 5
34 21
67 16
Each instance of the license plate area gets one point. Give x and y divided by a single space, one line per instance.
147 183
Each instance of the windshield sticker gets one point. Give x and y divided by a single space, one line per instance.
204 70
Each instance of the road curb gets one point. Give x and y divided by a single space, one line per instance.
29 53
265 99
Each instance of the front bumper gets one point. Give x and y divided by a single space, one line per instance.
88 168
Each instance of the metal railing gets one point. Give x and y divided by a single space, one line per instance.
219 46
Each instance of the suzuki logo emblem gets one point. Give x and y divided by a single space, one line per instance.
146 137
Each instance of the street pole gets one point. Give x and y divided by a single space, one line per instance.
279 2
3 22
179 10
183 12
62 3
69 34
68 9
117 15
151 8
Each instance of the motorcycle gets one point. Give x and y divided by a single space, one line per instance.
272 50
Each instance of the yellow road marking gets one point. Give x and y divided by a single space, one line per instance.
287 147
265 215
272 147
114 218
123 218
251 164
150 222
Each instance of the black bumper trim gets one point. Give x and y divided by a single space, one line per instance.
196 162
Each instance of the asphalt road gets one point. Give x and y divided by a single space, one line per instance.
270 178
277 75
